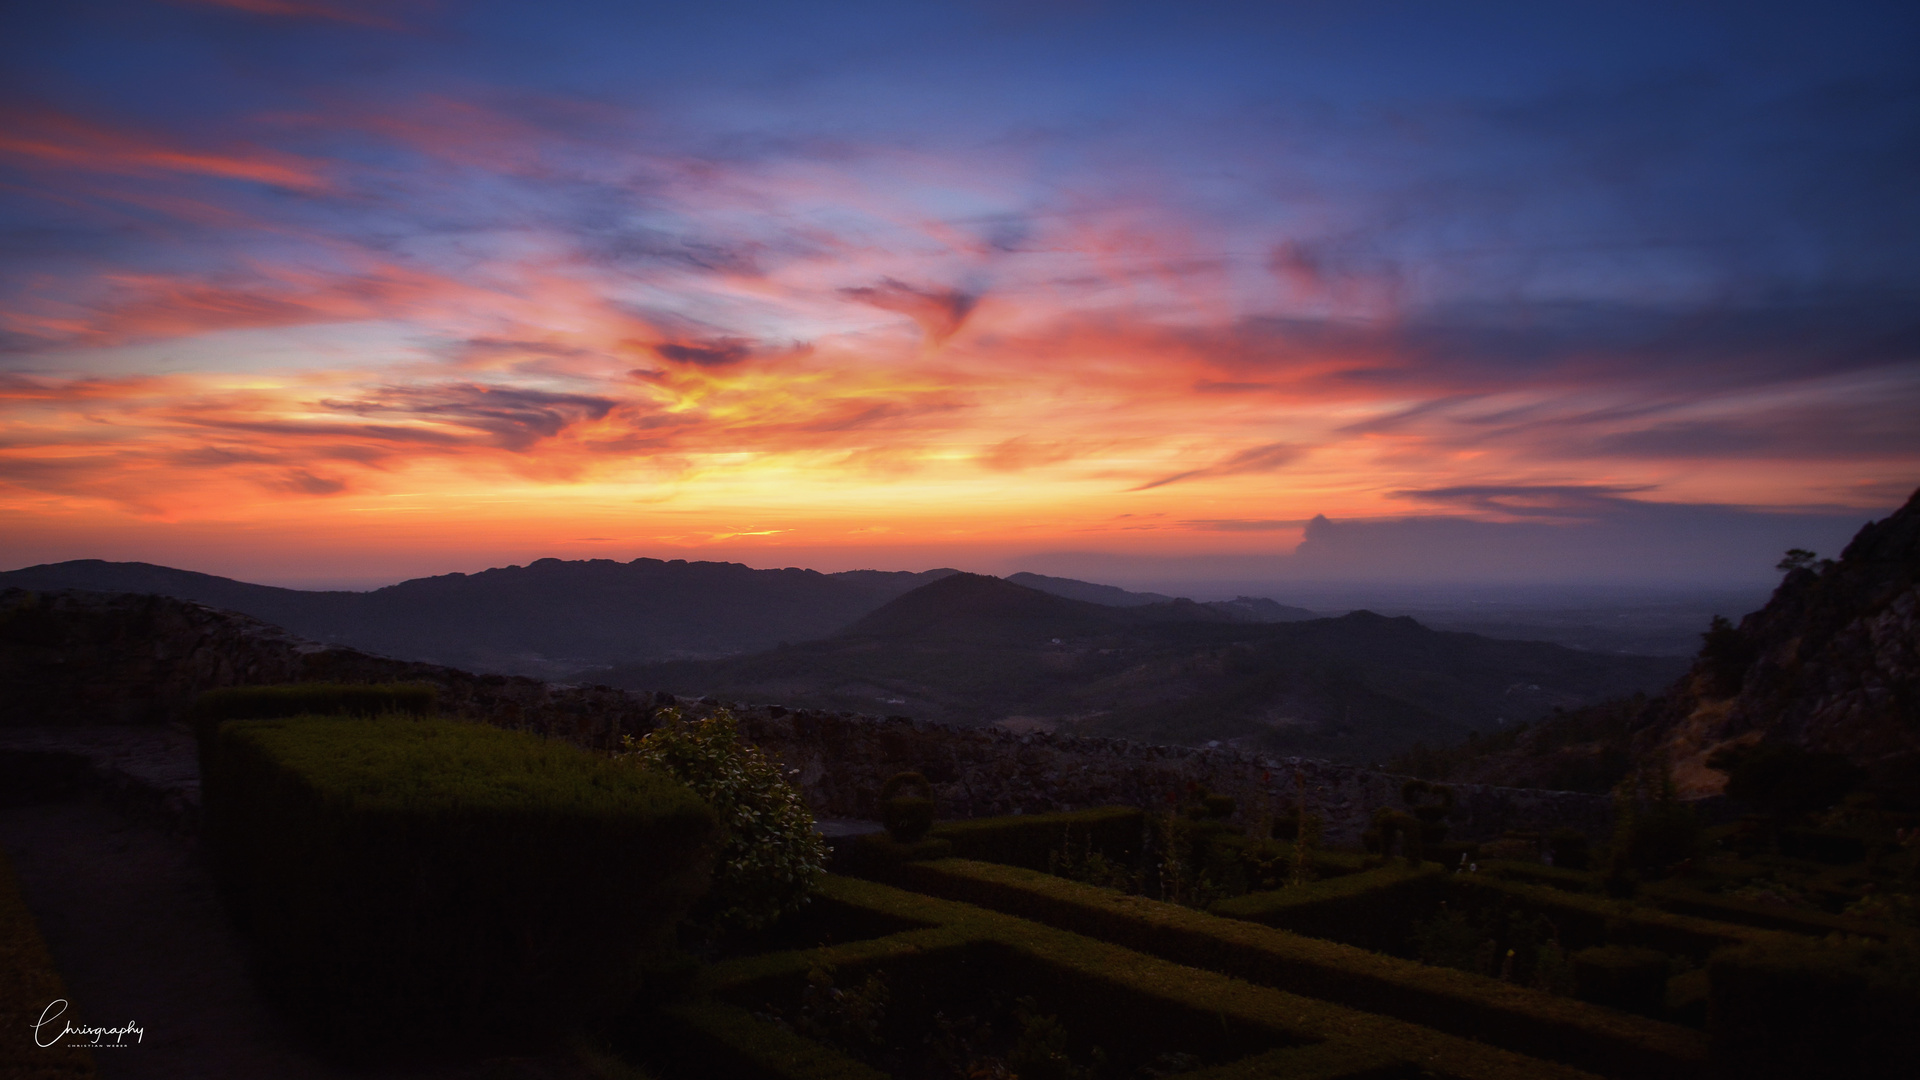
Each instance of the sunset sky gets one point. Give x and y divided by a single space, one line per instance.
331 292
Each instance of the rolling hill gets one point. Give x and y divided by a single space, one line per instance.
547 619
970 649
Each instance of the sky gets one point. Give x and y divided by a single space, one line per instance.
328 291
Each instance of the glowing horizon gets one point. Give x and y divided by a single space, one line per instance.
1086 279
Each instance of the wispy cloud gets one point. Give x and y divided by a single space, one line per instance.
1251 460
939 312
55 140
237 277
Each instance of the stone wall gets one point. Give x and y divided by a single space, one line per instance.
77 658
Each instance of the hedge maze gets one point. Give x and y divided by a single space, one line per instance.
1321 978
401 876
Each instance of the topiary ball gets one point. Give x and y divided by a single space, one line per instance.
906 806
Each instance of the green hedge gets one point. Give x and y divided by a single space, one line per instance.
1456 1002
1732 909
1800 1009
1027 839
1554 877
28 984
1582 921
1110 985
425 879
1373 909
215 707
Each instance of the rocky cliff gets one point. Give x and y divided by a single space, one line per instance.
1832 663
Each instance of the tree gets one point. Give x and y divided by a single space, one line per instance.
1797 559
770 856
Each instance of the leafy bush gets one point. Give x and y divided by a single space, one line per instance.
770 856
432 879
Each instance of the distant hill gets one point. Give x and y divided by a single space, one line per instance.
1244 609
970 649
548 619
1110 595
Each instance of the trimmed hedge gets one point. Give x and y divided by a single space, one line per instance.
1103 983
1554 877
1027 839
1623 977
29 984
1803 1009
1373 909
283 700
1519 1019
1732 909
1582 921
436 879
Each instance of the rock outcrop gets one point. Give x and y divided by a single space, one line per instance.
1832 663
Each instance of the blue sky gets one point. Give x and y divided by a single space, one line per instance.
857 283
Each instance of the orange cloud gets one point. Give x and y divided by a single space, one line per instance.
939 312
52 139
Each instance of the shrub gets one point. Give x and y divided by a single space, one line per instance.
1030 840
770 856
1725 655
907 816
434 879
1389 824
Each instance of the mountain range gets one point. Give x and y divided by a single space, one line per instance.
553 618
970 649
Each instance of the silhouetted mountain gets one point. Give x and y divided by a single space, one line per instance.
1244 609
1261 609
972 650
548 618
1110 595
